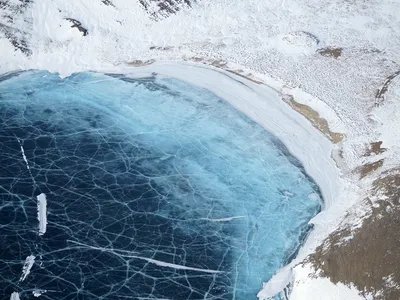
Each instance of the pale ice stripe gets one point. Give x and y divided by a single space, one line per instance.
150 260
223 219
175 266
23 155
26 269
26 160
42 213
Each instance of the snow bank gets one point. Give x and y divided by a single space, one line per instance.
277 283
316 288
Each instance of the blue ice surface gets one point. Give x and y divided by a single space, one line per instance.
139 169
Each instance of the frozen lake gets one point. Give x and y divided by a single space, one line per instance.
155 189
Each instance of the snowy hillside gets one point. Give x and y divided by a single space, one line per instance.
335 62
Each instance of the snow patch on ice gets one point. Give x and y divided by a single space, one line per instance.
38 293
14 296
42 213
26 269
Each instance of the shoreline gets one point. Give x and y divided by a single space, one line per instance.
265 105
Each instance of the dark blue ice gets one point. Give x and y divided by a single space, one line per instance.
156 189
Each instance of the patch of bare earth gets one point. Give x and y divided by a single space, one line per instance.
368 168
313 116
159 9
368 257
330 52
107 2
375 148
140 63
380 93
78 25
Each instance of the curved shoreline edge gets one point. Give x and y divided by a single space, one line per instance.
265 106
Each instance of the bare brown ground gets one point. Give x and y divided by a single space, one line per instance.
140 63
372 256
374 148
245 76
331 51
380 93
368 168
313 116
320 123
78 25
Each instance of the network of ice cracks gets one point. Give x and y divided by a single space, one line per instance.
155 189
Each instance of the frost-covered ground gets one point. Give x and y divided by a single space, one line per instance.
341 58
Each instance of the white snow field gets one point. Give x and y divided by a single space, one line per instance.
330 55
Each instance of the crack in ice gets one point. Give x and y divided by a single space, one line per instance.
23 154
223 219
150 260
26 160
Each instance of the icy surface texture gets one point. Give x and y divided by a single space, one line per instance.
155 190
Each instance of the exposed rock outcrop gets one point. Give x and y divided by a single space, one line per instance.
78 25
10 12
159 9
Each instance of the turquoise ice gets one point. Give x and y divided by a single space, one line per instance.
155 189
